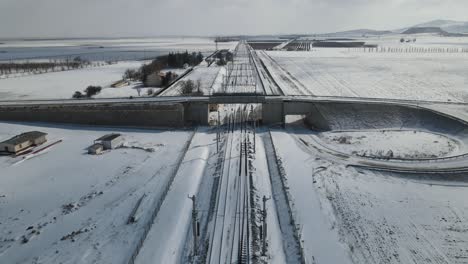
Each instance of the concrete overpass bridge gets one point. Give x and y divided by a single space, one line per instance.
184 111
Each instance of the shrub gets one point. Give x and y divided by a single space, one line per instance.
221 62
92 90
187 87
77 95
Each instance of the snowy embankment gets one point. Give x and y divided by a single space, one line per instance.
340 72
282 245
62 85
209 79
321 241
166 239
286 82
65 206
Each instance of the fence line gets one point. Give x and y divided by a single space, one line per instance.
159 202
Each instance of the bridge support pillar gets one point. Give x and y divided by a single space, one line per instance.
196 113
273 113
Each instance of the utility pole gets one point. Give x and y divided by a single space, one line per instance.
254 128
194 226
217 133
254 135
264 226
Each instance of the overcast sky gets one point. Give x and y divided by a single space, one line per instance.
118 18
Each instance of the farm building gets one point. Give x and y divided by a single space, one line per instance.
110 141
120 83
154 79
23 141
96 149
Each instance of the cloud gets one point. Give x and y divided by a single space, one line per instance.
109 18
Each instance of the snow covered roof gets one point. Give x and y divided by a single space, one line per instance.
24 137
108 137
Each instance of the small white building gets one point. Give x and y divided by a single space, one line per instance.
120 83
96 149
110 141
23 141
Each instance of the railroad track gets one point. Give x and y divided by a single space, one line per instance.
230 232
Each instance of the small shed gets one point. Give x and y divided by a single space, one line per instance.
120 83
110 141
23 141
96 149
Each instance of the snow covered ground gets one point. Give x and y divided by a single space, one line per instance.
392 143
133 90
166 239
343 72
210 79
106 49
373 217
71 207
162 42
422 40
322 243
65 206
62 85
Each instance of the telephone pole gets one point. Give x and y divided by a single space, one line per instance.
194 226
264 226
218 136
254 120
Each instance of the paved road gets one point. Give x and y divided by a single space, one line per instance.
427 166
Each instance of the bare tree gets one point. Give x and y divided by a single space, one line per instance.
187 87
198 86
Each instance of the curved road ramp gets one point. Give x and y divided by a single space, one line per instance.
389 137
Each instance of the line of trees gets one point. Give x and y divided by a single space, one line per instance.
172 60
178 60
41 67
190 87
412 50
224 57
146 70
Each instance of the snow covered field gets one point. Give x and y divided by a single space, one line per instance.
343 72
326 201
422 40
106 49
62 85
71 207
373 217
169 43
392 143
210 79
65 206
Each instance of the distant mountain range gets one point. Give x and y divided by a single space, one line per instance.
358 32
442 27
447 25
